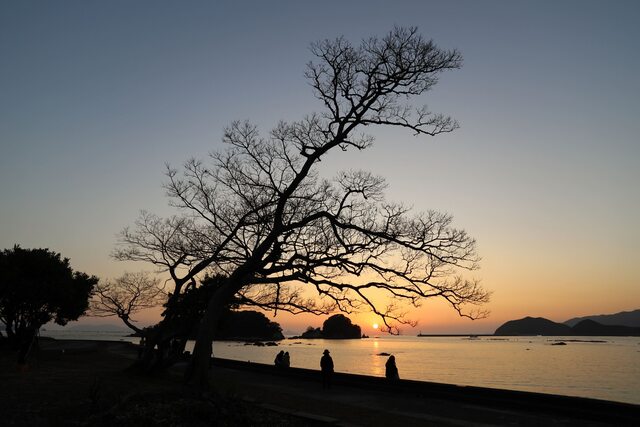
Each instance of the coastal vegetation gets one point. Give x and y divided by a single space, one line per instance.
236 322
247 325
37 286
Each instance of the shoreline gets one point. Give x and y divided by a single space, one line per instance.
64 372
450 385
129 350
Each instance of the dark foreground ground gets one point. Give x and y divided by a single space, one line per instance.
86 383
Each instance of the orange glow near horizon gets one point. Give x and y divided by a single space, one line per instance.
515 296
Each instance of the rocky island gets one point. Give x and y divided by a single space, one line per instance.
337 326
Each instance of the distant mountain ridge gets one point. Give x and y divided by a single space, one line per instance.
533 326
593 328
541 326
624 318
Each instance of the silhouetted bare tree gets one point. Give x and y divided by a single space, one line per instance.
125 296
260 214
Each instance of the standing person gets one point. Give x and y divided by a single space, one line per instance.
326 366
391 371
286 361
142 345
279 361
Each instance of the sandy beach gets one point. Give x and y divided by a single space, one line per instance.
86 383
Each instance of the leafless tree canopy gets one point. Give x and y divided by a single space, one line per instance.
260 214
125 296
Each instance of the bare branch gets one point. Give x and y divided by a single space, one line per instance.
125 296
259 214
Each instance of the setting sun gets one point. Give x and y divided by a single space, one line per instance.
375 326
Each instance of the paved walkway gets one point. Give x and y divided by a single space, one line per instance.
356 406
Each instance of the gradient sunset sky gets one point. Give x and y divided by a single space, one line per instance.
95 96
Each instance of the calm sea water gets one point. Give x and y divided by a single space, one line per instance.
607 370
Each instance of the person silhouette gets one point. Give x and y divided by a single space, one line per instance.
286 361
326 366
142 345
279 361
391 370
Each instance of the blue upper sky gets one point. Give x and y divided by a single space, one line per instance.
95 97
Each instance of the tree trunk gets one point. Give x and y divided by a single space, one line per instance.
9 330
156 354
26 343
197 372
131 326
164 343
